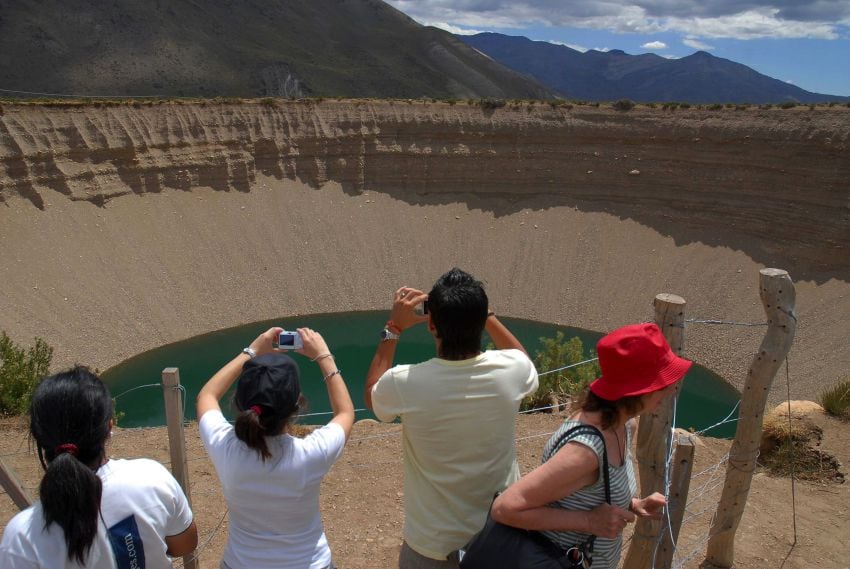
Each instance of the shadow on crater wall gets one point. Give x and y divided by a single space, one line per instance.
771 184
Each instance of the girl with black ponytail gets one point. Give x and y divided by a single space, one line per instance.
270 479
93 512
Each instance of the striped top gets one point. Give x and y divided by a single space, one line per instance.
606 552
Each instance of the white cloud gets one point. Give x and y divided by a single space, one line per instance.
752 25
696 44
576 47
654 45
453 29
669 56
740 19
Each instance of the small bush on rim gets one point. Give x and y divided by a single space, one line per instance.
491 103
20 371
624 105
556 388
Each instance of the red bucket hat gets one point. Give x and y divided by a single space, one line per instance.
636 359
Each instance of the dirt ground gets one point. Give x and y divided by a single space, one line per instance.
362 498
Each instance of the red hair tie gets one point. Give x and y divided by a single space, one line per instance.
257 409
70 448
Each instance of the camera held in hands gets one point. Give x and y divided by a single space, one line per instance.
421 309
289 341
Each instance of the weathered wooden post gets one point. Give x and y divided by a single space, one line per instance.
778 297
176 440
653 429
680 484
13 487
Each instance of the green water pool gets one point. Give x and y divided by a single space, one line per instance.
353 336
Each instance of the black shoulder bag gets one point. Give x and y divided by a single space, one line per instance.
506 547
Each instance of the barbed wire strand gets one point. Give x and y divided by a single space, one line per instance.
791 453
725 322
69 96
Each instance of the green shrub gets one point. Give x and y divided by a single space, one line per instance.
836 400
20 371
788 105
685 105
715 107
568 383
268 102
491 103
624 105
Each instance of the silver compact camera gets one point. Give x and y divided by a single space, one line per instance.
289 341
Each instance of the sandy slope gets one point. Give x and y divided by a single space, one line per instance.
123 228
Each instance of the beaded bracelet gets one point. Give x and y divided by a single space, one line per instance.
332 373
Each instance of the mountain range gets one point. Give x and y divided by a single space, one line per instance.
331 48
249 48
611 75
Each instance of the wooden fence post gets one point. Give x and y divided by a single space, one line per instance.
653 430
680 484
778 297
13 487
171 392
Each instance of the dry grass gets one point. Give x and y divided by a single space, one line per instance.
836 400
790 449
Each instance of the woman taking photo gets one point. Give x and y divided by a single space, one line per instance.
271 479
564 497
93 512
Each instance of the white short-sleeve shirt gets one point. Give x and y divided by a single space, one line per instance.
274 505
140 506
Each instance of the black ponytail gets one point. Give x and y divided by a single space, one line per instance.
70 419
250 430
256 423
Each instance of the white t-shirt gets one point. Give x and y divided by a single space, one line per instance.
458 419
274 505
141 505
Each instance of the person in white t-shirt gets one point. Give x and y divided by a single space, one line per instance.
458 412
271 479
94 512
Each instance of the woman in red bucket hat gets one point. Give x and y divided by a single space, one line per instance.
565 497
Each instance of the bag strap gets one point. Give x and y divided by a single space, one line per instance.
585 429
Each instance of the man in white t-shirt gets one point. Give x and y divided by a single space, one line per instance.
458 411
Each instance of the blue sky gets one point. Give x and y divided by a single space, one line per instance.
806 43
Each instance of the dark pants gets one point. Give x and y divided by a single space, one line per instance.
409 559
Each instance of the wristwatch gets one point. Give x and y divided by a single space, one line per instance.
386 334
